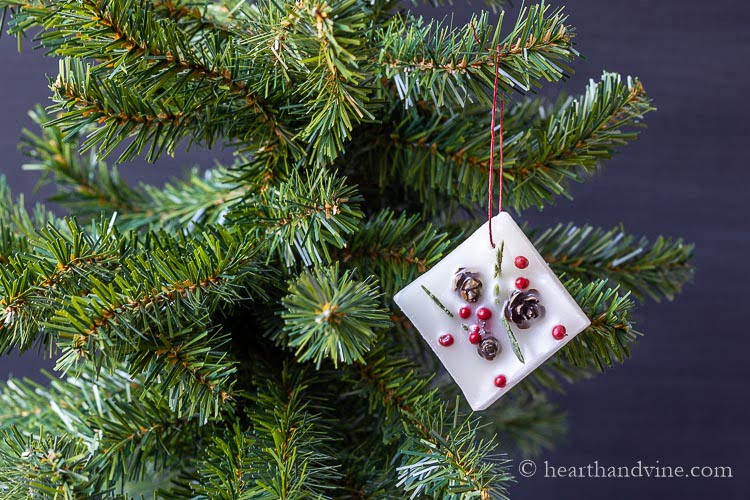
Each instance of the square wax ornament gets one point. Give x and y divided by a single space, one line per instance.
492 315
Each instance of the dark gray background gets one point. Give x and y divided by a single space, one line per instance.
682 398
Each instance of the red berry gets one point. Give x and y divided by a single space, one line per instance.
464 312
484 314
475 337
522 262
522 283
446 340
474 329
500 381
558 332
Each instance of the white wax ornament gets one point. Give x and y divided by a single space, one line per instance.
475 375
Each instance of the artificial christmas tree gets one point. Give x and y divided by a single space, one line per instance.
233 334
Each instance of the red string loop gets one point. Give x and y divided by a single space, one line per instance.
492 147
490 175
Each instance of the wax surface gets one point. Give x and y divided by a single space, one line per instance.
475 375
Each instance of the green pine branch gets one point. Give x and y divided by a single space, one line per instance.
150 57
449 66
45 465
570 144
172 286
331 315
293 454
364 453
439 453
125 114
544 148
657 269
224 467
302 218
87 185
51 264
188 363
200 199
84 184
148 304
124 428
395 248
334 93
286 453
609 337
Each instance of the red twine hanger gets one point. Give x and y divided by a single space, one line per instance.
490 176
492 147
